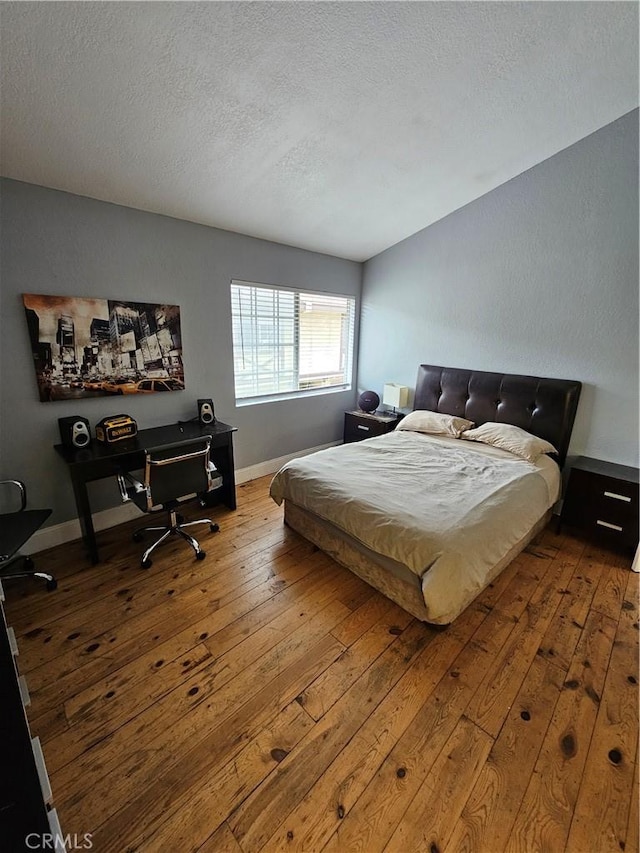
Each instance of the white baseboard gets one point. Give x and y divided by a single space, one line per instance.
67 531
253 472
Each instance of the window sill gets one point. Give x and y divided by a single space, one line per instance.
291 395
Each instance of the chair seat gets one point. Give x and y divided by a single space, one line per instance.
17 527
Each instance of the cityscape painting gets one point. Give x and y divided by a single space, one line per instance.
95 347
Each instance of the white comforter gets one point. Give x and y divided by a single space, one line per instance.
448 509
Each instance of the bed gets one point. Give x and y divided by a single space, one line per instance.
430 517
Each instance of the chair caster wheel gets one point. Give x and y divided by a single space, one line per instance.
200 555
52 584
137 537
146 564
214 528
28 563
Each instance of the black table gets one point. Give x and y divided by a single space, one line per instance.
98 461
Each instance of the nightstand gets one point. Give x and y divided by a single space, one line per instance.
359 425
602 500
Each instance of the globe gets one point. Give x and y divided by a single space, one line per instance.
368 401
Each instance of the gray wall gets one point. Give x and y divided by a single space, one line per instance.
539 276
56 243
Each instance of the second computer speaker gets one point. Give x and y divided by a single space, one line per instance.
206 414
74 431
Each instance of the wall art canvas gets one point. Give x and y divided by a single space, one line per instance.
86 347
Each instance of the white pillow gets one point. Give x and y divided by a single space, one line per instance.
511 438
434 423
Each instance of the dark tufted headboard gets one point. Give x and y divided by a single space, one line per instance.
544 407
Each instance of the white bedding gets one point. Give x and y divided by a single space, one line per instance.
450 510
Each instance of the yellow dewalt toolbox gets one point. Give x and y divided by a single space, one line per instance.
115 428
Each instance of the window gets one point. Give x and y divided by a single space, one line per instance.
290 341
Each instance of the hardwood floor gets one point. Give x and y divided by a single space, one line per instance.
267 699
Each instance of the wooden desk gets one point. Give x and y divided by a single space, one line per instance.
98 461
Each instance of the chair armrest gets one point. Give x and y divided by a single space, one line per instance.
21 488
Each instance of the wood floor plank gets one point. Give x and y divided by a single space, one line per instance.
105 699
361 619
612 586
328 688
52 723
193 816
123 569
632 838
114 647
514 598
544 819
381 806
601 813
564 632
152 604
429 820
255 820
222 742
117 759
125 649
127 681
494 697
222 841
488 816
492 700
319 813
115 675
273 701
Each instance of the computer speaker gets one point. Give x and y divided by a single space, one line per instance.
74 431
206 414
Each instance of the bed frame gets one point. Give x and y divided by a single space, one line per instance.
544 407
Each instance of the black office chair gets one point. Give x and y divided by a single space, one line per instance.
173 473
16 528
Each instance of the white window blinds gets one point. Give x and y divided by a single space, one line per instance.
288 341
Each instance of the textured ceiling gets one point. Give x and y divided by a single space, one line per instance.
339 127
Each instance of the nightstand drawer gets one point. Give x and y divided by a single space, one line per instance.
604 520
617 494
358 426
620 531
594 494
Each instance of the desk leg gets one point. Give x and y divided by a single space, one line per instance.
230 478
84 517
